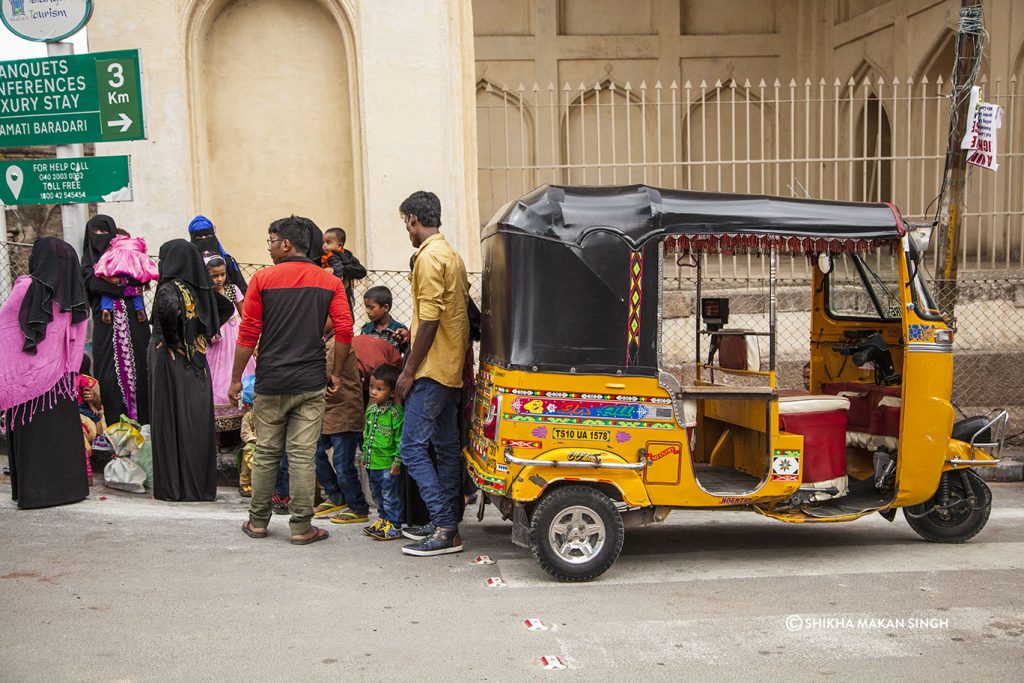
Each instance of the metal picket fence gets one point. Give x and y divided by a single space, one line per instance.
855 138
989 341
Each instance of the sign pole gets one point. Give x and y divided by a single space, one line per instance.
73 216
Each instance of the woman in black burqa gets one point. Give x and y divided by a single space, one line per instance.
186 313
118 347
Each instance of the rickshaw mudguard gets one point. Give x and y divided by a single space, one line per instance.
528 482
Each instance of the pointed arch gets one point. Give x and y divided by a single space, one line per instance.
938 58
506 146
728 140
608 134
869 141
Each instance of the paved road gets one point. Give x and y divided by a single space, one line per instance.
130 589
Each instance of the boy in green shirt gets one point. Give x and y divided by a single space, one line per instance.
381 435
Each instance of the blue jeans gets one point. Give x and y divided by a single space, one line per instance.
431 417
281 485
389 494
341 481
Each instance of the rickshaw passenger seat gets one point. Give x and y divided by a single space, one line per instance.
874 416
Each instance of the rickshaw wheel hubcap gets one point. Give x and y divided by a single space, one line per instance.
577 534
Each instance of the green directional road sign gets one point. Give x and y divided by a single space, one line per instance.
93 97
76 180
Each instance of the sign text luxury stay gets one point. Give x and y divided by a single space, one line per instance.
92 97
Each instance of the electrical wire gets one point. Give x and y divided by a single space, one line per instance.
972 23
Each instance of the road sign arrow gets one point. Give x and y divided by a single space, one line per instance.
123 121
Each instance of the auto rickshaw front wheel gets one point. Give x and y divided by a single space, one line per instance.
576 533
957 511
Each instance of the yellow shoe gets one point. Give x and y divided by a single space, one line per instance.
350 517
325 509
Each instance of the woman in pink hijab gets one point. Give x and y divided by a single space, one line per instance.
42 334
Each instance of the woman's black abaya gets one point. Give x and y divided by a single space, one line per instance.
185 316
48 456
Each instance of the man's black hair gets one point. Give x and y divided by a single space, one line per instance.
340 232
387 374
425 206
379 295
295 229
86 366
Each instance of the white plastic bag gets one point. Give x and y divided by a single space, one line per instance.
125 475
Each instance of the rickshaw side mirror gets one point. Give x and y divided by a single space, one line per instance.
825 263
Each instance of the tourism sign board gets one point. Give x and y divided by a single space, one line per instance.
45 20
92 97
77 180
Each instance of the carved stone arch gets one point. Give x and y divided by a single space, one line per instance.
628 127
289 171
506 146
727 144
939 57
866 123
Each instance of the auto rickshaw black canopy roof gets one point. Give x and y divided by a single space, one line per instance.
699 220
571 277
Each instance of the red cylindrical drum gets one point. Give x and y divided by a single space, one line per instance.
822 422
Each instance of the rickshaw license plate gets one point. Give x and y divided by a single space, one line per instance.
579 434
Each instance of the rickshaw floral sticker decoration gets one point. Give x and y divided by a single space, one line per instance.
786 465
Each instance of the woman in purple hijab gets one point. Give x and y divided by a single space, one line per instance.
42 334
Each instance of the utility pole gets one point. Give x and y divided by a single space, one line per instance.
73 216
969 45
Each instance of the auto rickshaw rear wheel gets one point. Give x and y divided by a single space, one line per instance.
957 511
576 533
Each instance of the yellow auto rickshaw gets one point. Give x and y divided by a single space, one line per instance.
581 428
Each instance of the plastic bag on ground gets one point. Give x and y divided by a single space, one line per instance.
125 475
125 437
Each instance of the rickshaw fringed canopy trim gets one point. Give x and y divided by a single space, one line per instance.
731 244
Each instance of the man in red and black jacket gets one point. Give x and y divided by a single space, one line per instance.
285 311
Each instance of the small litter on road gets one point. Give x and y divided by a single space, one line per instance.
535 625
495 582
552 662
482 559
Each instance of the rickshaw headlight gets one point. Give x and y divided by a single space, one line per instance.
944 336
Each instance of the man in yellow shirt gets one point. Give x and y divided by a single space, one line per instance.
431 381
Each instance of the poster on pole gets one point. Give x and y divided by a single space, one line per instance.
981 137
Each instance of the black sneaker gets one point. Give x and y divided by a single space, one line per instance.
418 533
443 542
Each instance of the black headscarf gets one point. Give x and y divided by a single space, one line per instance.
181 260
56 276
316 242
203 234
95 245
